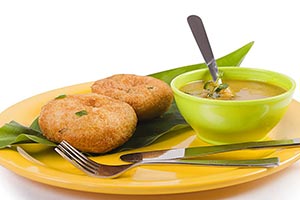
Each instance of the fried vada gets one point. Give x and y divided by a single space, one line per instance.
90 122
149 97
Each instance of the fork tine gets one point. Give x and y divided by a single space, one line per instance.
80 156
66 156
80 161
81 166
89 166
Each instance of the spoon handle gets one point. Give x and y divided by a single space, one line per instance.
201 38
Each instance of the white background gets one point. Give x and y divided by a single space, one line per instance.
46 45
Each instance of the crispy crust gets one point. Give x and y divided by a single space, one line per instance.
150 97
107 123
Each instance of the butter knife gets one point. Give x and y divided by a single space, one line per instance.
194 152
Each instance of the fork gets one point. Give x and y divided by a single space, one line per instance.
96 169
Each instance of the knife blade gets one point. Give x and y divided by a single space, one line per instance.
194 152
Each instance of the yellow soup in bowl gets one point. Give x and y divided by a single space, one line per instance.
240 90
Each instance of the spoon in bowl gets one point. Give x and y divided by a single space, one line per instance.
201 38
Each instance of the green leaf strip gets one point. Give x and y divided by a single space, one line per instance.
233 59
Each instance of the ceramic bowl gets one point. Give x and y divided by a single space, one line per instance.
230 121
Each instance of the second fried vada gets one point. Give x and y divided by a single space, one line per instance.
150 97
90 122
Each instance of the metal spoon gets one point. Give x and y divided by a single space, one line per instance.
201 38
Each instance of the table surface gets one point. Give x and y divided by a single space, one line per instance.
46 45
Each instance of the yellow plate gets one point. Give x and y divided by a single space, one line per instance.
159 179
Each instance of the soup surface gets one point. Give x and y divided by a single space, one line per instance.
240 90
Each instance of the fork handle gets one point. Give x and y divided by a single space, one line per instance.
264 162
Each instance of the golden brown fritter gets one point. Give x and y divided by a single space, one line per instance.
149 97
90 122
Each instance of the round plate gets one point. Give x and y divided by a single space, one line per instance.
51 169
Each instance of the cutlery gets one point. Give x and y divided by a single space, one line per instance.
96 169
194 152
201 38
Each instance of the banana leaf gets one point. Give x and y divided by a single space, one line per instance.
146 132
14 133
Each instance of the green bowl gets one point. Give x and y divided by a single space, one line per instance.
229 121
